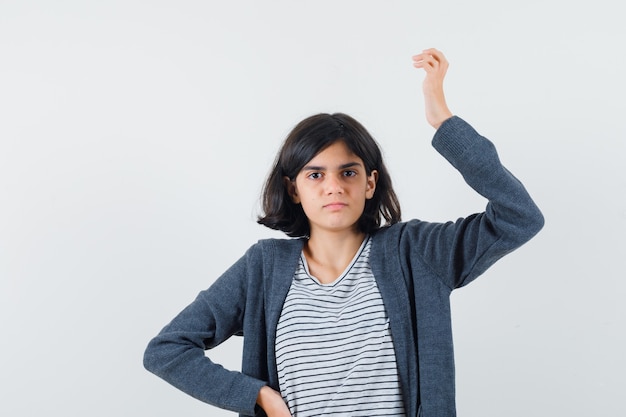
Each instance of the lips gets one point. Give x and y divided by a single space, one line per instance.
335 205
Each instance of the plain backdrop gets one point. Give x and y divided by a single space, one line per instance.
135 137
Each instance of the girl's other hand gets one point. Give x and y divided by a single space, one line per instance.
435 64
272 403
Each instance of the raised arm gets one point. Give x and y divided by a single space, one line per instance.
460 251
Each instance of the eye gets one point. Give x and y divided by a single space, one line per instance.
315 175
349 173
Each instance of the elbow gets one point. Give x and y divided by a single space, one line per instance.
541 221
149 362
536 223
153 359
521 225
531 225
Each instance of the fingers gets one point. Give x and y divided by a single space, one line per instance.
430 60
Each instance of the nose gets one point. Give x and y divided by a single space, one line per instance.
333 184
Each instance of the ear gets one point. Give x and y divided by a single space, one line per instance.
371 184
291 189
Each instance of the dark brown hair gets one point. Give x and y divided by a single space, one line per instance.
311 136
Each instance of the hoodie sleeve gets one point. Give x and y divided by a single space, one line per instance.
177 353
460 251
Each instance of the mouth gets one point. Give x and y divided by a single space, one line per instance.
335 206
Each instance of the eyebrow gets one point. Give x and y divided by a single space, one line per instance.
321 168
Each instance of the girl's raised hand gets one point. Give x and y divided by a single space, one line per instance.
435 64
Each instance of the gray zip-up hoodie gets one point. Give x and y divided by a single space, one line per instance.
416 264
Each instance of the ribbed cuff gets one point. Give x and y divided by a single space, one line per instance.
454 137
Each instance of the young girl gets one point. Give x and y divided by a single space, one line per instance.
352 316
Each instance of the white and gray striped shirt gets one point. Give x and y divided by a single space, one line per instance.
334 350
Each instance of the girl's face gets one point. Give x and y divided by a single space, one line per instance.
332 189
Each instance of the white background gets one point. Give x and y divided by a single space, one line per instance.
135 137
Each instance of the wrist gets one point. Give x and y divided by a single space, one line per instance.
263 395
267 398
441 119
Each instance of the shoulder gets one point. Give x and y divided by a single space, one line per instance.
265 259
399 234
389 232
279 244
275 250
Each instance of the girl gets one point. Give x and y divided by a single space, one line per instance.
352 316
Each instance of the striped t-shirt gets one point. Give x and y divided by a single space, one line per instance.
334 350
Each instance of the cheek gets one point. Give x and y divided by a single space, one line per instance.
306 198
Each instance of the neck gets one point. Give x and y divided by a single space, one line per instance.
328 254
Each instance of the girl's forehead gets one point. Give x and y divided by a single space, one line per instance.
336 152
